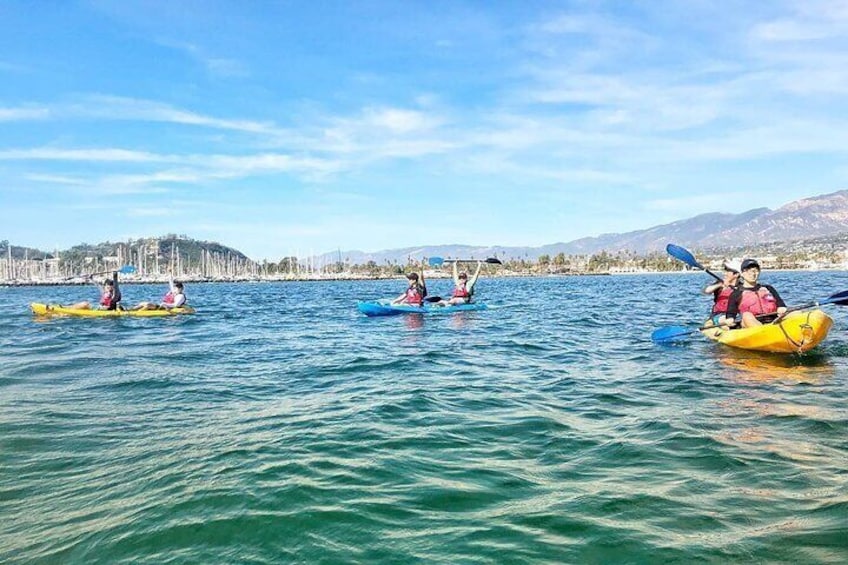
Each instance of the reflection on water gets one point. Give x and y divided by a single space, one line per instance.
755 366
764 399
414 321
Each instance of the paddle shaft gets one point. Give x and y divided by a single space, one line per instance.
126 269
437 261
490 260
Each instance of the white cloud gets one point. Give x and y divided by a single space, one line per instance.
90 155
55 179
122 108
399 120
790 30
215 65
23 113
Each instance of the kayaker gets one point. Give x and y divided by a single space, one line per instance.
464 287
110 296
721 290
174 298
757 303
415 292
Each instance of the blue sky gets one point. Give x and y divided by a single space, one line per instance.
276 127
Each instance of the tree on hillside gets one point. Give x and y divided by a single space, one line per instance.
559 260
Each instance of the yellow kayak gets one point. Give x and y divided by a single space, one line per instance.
59 310
797 332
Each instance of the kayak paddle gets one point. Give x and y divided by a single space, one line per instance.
437 261
669 334
684 255
840 299
125 270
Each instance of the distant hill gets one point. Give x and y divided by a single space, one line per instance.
167 248
810 218
154 255
18 252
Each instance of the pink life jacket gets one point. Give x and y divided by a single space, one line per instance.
757 302
106 299
461 292
720 306
168 298
414 296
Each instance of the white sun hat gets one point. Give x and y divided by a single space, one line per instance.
734 265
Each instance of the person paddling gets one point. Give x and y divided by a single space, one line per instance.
721 291
757 303
415 293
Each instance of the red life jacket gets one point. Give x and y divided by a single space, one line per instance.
414 296
106 299
168 298
720 306
759 301
461 292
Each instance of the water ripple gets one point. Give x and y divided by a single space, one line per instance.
278 425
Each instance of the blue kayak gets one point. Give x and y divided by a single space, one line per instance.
386 308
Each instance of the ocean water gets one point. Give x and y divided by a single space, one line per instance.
280 426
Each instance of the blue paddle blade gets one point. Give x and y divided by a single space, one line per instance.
671 333
840 299
127 269
684 255
435 261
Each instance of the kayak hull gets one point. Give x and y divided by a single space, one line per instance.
798 332
385 308
59 310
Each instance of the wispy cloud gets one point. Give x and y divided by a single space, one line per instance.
122 108
218 66
24 113
56 179
88 155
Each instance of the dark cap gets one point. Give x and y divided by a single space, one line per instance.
463 276
412 276
749 263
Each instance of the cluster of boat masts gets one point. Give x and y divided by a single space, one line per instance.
194 278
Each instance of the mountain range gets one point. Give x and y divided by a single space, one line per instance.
809 218
806 219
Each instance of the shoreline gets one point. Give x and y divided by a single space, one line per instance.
135 280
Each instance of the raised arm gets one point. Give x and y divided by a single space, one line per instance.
116 292
421 281
473 280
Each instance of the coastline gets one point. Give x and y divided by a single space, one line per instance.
159 280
